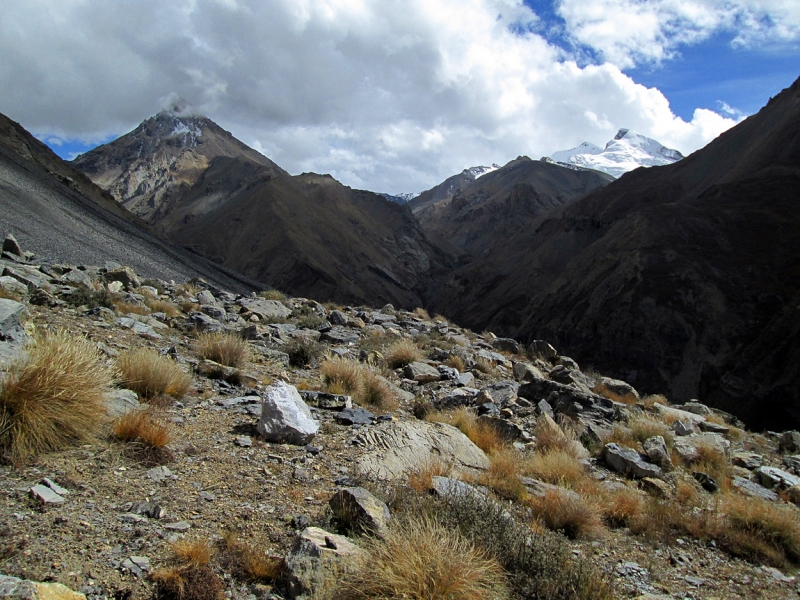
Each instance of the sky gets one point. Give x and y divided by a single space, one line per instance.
397 95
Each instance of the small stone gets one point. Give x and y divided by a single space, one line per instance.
355 416
55 487
177 526
356 506
243 441
207 496
159 474
421 372
45 495
707 482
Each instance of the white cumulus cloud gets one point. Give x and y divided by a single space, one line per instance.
386 95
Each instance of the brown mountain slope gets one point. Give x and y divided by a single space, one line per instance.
307 235
682 278
483 213
55 211
150 167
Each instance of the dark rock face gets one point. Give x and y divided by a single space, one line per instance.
680 279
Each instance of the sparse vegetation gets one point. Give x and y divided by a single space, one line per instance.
53 397
401 353
343 376
83 296
224 348
627 398
303 351
150 374
566 512
191 576
482 434
248 562
557 467
146 436
273 294
454 361
419 559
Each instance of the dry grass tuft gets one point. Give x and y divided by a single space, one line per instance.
375 391
454 361
150 374
653 399
421 560
191 577
557 466
550 436
568 513
483 435
273 295
401 353
341 374
422 313
759 523
485 366
193 552
125 308
421 480
247 562
503 473
638 430
53 397
303 352
158 305
620 507
224 348
8 294
146 435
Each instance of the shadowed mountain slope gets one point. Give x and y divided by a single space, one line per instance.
684 279
55 211
307 235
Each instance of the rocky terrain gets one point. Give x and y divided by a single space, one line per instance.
328 428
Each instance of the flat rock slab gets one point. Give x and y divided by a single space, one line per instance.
355 416
139 328
401 448
751 488
315 559
45 495
421 372
627 461
264 309
12 313
772 477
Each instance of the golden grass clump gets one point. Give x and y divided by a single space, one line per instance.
503 473
53 397
638 430
422 313
191 576
621 507
551 436
421 479
419 559
454 361
248 562
401 353
341 374
150 374
772 524
146 435
157 305
122 307
224 348
566 512
558 467
273 294
482 434
485 366
375 391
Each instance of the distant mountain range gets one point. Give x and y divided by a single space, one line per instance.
626 152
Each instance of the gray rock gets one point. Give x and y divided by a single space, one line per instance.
446 487
751 488
507 430
265 310
696 408
138 565
202 322
148 509
12 314
243 441
205 297
77 277
13 588
506 345
45 495
125 276
213 311
9 284
656 450
502 392
682 428
337 317
119 402
545 408
10 244
178 526
772 478
627 461
710 427
712 440
355 416
617 386
543 350
466 379
356 507
462 396
748 460
139 328
789 442
421 372
339 337
541 489
447 373
394 451
317 557
30 276
61 491
707 482
159 474
793 463
285 418
526 372
326 400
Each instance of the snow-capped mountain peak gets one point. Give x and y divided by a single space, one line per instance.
481 170
627 151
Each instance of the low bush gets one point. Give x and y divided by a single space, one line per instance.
273 294
224 348
146 436
53 397
551 436
454 361
83 296
621 507
401 353
150 374
248 562
157 305
190 577
303 352
418 559
566 512
485 366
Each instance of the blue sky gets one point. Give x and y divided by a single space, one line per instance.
397 95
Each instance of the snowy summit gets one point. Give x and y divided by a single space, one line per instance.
627 151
